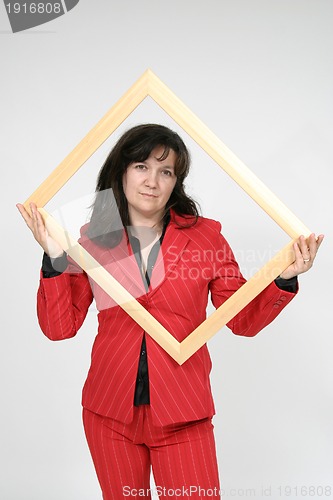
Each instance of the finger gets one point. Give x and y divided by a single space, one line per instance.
38 227
302 264
304 244
42 231
26 216
33 209
299 259
320 240
314 244
304 249
35 215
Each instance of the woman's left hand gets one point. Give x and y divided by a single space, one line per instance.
305 253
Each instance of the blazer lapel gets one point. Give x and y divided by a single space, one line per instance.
121 263
127 271
173 245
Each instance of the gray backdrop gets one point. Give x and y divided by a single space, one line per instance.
259 74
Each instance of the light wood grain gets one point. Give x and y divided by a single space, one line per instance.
180 352
111 286
150 85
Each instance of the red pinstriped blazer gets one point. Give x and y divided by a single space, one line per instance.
192 263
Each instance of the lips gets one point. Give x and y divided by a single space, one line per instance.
149 195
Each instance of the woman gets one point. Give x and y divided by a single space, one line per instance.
140 408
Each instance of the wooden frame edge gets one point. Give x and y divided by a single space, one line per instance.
149 85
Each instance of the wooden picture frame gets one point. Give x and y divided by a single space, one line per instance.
150 85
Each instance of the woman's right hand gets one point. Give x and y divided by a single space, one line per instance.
36 224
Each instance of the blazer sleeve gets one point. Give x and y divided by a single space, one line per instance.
228 279
63 302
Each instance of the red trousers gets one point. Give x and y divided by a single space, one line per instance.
182 457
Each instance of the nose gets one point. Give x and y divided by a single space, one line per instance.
151 179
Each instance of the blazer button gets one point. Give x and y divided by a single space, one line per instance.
276 306
283 298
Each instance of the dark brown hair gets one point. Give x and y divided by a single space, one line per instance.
110 203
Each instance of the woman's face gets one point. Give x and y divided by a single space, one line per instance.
148 185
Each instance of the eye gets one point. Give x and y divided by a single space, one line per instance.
140 166
167 173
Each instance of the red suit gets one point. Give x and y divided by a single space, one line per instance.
192 262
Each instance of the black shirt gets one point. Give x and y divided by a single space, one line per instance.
141 395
